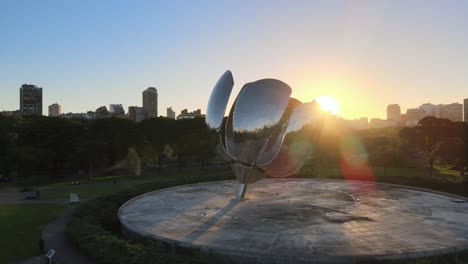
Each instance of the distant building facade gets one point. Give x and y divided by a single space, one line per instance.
453 112
137 114
55 110
414 115
359 123
430 109
30 100
170 113
184 114
394 112
465 109
150 102
403 119
380 123
87 115
116 110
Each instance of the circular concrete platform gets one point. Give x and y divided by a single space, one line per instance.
301 221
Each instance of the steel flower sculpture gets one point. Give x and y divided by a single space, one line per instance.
266 133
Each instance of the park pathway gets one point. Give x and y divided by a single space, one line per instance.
54 238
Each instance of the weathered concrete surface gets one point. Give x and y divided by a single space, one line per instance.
302 221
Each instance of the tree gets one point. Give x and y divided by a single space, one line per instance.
450 151
428 135
384 156
116 135
155 134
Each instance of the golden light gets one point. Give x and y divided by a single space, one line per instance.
329 104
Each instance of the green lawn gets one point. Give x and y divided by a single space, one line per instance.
21 227
84 191
106 185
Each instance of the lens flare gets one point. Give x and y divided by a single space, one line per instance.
329 104
354 160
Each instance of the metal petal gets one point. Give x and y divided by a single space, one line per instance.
302 133
272 147
304 115
218 100
228 132
254 118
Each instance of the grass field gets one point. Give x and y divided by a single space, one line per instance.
21 228
21 225
111 184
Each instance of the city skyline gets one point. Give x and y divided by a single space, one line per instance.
328 104
86 54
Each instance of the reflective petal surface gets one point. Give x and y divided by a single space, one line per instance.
301 135
218 100
303 115
273 145
255 117
229 132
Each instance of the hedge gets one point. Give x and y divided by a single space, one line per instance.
95 230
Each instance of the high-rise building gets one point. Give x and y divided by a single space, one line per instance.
403 119
170 113
116 110
55 109
465 103
414 115
150 102
136 113
430 109
453 112
394 112
30 100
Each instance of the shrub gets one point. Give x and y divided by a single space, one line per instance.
95 229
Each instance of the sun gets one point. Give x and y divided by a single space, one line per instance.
329 104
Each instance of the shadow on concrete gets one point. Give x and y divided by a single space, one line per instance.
211 221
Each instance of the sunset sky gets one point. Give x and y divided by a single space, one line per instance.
366 54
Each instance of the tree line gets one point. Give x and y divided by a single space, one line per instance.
39 145
433 141
52 146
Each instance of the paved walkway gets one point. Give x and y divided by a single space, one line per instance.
54 238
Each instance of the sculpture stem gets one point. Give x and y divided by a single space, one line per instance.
241 191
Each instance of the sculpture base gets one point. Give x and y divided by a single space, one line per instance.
301 221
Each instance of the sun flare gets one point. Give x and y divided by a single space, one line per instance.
329 104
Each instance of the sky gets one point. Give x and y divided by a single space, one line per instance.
366 54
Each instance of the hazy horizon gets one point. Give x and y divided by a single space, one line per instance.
366 54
